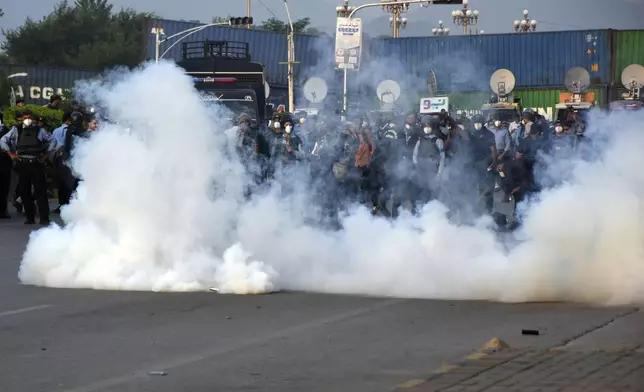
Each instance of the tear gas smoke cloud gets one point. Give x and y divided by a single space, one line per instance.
161 208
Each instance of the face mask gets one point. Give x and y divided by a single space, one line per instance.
27 122
497 123
365 124
478 126
524 122
288 129
558 129
302 121
407 126
392 125
427 130
501 174
277 125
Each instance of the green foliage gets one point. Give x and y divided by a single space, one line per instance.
53 118
300 26
87 34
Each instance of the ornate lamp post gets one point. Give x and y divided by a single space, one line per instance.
440 30
465 17
343 11
525 25
396 20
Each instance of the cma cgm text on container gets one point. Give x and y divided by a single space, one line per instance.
465 63
37 84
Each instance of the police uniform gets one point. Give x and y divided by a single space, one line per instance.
5 176
29 143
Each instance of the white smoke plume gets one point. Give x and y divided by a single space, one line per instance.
161 208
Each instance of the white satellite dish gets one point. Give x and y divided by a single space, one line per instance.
432 84
502 82
315 89
388 91
633 76
267 90
633 80
577 80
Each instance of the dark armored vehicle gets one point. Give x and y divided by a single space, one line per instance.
223 73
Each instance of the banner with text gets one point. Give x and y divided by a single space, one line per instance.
348 43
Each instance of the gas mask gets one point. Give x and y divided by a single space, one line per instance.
497 123
277 125
27 122
558 129
288 128
478 126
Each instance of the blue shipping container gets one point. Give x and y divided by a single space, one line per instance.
37 84
463 63
314 54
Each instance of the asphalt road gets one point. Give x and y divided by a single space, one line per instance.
80 340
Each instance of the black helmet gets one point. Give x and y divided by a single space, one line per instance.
478 118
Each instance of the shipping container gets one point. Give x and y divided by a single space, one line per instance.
314 53
468 100
628 48
37 84
465 63
545 100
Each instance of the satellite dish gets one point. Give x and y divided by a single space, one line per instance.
315 89
388 91
633 76
267 90
577 80
432 85
502 82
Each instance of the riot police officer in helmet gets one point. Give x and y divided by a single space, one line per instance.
27 144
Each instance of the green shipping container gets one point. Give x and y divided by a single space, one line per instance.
544 101
628 49
469 100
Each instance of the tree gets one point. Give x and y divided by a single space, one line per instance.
86 35
300 26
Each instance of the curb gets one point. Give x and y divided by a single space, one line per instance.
493 346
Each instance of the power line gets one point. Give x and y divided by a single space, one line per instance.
268 9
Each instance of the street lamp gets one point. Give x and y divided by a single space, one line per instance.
526 24
440 30
465 17
343 11
401 22
396 8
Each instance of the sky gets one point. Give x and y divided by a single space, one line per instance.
496 16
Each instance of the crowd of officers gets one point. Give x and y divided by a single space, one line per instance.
386 163
30 150
378 160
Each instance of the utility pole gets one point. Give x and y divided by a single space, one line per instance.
290 39
248 11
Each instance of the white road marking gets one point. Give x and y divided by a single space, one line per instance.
197 357
24 310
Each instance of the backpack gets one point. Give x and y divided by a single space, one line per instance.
365 151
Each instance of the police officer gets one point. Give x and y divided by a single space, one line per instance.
484 154
429 155
27 145
63 144
5 174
